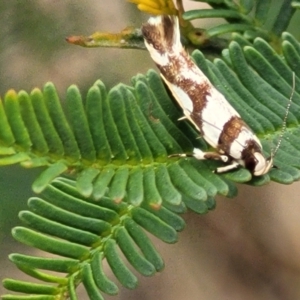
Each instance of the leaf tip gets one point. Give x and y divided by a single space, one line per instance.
11 94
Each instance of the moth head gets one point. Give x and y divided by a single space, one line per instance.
254 160
262 165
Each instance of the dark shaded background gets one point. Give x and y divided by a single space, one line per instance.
248 248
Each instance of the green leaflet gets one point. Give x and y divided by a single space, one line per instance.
283 18
16 123
29 287
80 125
261 10
117 189
212 13
85 180
167 216
60 230
60 122
54 143
144 243
165 187
6 135
154 225
135 186
95 120
89 283
101 280
49 244
226 28
100 185
247 5
30 120
120 270
48 175
63 265
51 212
136 259
43 276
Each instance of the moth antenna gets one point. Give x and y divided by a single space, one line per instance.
283 128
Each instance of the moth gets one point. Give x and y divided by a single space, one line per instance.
203 105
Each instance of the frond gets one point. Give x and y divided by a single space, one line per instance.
118 144
81 233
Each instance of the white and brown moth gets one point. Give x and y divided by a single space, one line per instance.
203 105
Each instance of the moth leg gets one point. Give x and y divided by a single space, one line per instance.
197 153
200 155
183 118
227 168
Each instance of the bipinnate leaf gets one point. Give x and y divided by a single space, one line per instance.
115 146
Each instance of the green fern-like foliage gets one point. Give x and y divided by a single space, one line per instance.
84 232
114 147
251 17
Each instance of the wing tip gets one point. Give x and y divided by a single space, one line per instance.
162 32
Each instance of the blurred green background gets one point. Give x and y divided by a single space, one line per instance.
248 248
